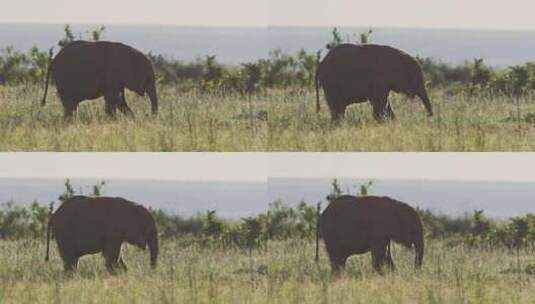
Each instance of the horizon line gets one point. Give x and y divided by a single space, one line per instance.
310 26
373 179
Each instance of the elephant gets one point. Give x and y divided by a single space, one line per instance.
85 70
87 225
358 73
356 225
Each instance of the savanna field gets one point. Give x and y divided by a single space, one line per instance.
285 272
276 120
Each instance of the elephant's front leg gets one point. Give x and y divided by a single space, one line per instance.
69 110
381 107
338 264
111 100
70 264
379 256
111 254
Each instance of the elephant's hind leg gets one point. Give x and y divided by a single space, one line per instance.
337 256
67 251
336 102
123 106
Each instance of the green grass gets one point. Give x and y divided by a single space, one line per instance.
207 122
283 273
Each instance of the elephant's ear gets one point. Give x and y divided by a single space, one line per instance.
145 219
412 74
416 76
140 74
133 71
404 221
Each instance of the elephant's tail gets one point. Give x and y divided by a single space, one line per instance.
318 208
47 80
47 256
317 83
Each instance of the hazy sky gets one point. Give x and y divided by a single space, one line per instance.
166 166
259 166
511 14
434 166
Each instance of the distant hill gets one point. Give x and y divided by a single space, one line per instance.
236 45
497 199
230 199
240 199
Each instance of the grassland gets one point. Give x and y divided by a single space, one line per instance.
283 273
278 120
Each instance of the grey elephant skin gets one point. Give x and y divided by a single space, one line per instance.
355 225
358 73
85 225
85 70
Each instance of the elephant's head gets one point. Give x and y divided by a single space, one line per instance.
410 232
145 233
141 79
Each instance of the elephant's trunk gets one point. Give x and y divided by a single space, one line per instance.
419 251
153 247
422 93
151 91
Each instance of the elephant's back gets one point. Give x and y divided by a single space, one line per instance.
78 68
349 210
365 51
339 215
95 212
65 217
368 58
78 51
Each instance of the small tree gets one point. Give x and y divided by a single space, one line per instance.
481 74
97 33
307 68
97 188
519 78
68 37
336 191
307 220
94 35
365 37
69 191
253 74
253 232
38 220
480 229
336 39
213 225
519 228
364 189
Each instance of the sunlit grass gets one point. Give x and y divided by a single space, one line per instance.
279 120
285 272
